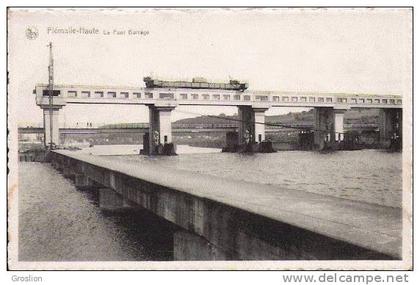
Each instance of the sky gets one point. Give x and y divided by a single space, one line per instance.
319 50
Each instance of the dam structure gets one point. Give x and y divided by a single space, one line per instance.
224 219
162 97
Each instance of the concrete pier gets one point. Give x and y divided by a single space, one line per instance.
328 128
57 103
251 131
110 200
324 127
390 127
189 246
339 125
160 130
68 172
55 127
83 182
251 127
226 219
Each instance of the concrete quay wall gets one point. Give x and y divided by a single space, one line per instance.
210 229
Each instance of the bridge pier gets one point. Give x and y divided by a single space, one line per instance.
246 128
110 200
329 127
339 125
55 125
390 128
82 181
190 246
251 132
68 172
160 131
259 117
251 128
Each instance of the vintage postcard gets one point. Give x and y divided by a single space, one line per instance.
210 138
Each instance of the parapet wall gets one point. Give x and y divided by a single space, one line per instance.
211 229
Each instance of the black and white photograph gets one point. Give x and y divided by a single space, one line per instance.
241 138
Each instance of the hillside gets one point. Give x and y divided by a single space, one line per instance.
361 116
296 118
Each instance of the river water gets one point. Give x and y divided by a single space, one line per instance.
59 222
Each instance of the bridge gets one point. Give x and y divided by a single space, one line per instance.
252 105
